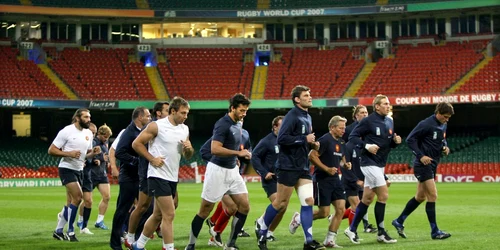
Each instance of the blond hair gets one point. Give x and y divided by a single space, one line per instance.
104 130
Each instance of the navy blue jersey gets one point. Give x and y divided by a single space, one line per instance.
129 159
330 153
354 152
101 169
374 129
348 131
245 144
264 155
427 139
206 151
292 141
229 134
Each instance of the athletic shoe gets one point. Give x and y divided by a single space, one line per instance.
59 236
295 223
262 243
257 228
72 237
212 232
440 235
385 238
209 223
231 247
370 229
330 244
189 247
271 238
313 245
79 224
243 233
353 236
400 228
86 231
134 246
127 244
101 225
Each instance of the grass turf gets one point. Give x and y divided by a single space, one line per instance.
469 211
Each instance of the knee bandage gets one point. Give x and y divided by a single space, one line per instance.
304 192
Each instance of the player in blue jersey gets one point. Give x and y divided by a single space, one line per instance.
375 134
427 142
295 140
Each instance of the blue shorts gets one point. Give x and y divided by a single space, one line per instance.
270 186
328 190
290 178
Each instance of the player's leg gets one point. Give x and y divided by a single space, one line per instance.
305 192
239 194
228 208
75 191
62 219
331 237
430 209
270 188
213 191
105 191
143 203
382 192
125 200
86 206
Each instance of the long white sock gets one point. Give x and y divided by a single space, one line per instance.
142 241
80 218
100 218
61 222
169 246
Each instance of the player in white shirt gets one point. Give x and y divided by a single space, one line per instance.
74 144
168 140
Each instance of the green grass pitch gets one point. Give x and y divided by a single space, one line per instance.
469 211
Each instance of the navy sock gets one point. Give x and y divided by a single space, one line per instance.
73 209
430 209
306 219
411 205
86 216
236 226
360 212
269 215
379 216
65 213
196 226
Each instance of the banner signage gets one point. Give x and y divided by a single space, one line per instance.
402 178
468 178
42 182
435 99
103 104
263 47
30 103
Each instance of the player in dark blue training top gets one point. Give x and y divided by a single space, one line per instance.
328 189
295 139
222 175
427 141
264 158
354 179
375 134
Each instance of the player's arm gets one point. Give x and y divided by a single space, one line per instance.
205 151
145 137
122 152
446 149
413 138
187 149
112 162
258 156
218 150
58 143
285 135
314 158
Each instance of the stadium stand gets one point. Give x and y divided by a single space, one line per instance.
487 79
205 74
425 69
23 79
330 71
103 74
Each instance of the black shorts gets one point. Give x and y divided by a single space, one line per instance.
423 173
69 175
160 187
143 184
351 188
290 178
327 191
87 180
270 186
96 180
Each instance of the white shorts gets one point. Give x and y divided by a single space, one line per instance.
220 181
374 176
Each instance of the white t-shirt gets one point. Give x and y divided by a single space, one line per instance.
167 144
115 142
69 139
